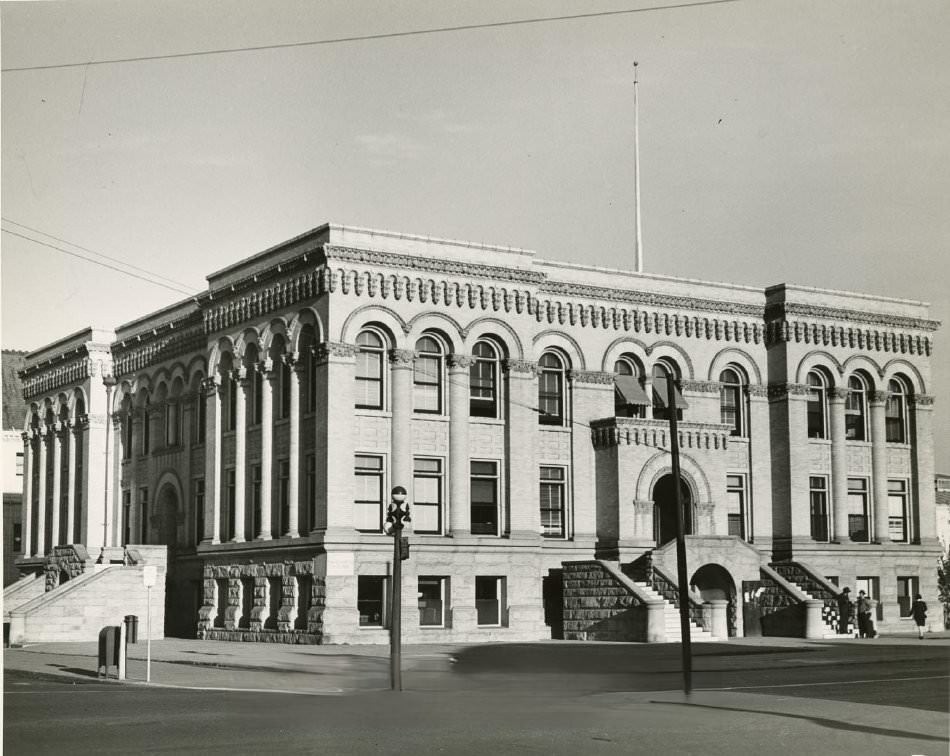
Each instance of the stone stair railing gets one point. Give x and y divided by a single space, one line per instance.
815 587
643 569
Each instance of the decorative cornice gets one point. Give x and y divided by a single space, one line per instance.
591 376
781 311
756 389
622 431
781 390
402 358
848 337
459 361
158 345
921 400
39 380
520 366
329 349
704 387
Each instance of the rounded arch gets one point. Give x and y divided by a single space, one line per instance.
899 366
674 352
818 359
731 355
445 341
224 346
553 339
660 464
497 329
384 317
436 321
78 404
860 362
169 508
621 346
273 333
298 325
713 581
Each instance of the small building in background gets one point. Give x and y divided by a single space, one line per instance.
14 415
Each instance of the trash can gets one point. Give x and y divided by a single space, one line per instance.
131 628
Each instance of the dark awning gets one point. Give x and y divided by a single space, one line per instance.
660 393
630 390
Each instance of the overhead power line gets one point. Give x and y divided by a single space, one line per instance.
99 262
99 254
371 37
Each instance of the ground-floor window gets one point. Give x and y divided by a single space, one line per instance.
818 496
858 509
552 502
871 585
490 600
735 495
433 596
897 510
907 588
371 600
368 504
304 601
220 600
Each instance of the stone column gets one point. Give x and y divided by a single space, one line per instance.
267 445
27 494
814 625
788 411
459 514
188 420
921 520
401 364
759 502
75 432
521 437
592 394
839 464
136 444
213 399
297 369
879 466
41 493
239 386
57 441
656 621
719 624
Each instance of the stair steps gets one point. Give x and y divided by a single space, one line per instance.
672 619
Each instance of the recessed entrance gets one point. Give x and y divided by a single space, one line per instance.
664 509
714 583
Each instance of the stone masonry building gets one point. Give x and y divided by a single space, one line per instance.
257 429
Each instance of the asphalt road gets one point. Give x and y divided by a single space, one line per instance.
515 698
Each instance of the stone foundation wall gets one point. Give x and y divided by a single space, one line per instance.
598 605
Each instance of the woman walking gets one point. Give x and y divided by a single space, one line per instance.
918 611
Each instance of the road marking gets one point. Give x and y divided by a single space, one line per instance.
326 692
833 682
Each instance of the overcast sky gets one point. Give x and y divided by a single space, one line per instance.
781 141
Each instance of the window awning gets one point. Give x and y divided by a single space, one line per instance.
660 393
630 390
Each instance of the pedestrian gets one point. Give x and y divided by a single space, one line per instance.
865 626
844 611
918 611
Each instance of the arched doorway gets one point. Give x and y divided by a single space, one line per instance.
664 509
714 583
164 528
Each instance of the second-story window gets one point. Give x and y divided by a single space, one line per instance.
427 376
551 390
855 413
483 381
817 405
285 378
369 371
895 412
665 382
630 400
730 402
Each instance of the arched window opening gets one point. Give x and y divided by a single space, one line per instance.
730 402
146 423
369 371
283 386
230 386
427 382
551 389
895 412
483 380
630 400
665 380
817 405
855 410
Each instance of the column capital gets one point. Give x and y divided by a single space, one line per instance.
756 390
265 367
239 375
527 368
877 397
591 376
210 386
117 422
402 358
327 350
837 394
459 361
782 390
921 400
705 387
81 423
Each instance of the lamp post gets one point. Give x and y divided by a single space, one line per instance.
109 381
397 514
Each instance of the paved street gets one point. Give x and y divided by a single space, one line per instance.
787 696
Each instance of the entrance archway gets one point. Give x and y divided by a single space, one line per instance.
664 509
714 583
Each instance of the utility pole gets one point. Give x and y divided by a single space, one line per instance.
686 644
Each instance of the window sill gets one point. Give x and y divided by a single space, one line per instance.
436 416
820 441
366 412
555 427
486 420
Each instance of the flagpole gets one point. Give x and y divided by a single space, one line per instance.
636 167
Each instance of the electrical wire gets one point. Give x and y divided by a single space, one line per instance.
369 37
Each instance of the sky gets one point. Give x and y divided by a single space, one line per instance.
791 141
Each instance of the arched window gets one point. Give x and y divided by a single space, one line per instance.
817 405
665 380
369 371
230 385
427 376
483 380
146 423
895 412
630 400
257 394
730 402
551 389
855 409
285 377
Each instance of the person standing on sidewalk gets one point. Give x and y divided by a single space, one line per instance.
844 611
865 627
918 611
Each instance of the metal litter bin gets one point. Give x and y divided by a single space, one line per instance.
131 628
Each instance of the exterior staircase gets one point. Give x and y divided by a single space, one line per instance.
671 613
817 588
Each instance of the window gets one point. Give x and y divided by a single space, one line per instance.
730 402
311 379
371 600
895 413
490 601
427 495
551 390
304 601
285 377
311 491
432 601
227 511
283 497
199 509
664 382
907 588
143 509
127 434
146 427
369 371
855 410
872 587
16 545
484 498
126 517
858 510
231 386
483 381
201 409
257 395
818 495
256 488
817 405
552 502
368 506
19 464
220 600
630 400
735 495
897 510
427 376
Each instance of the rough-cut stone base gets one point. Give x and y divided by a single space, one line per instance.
263 636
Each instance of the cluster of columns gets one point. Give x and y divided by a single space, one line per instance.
44 447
